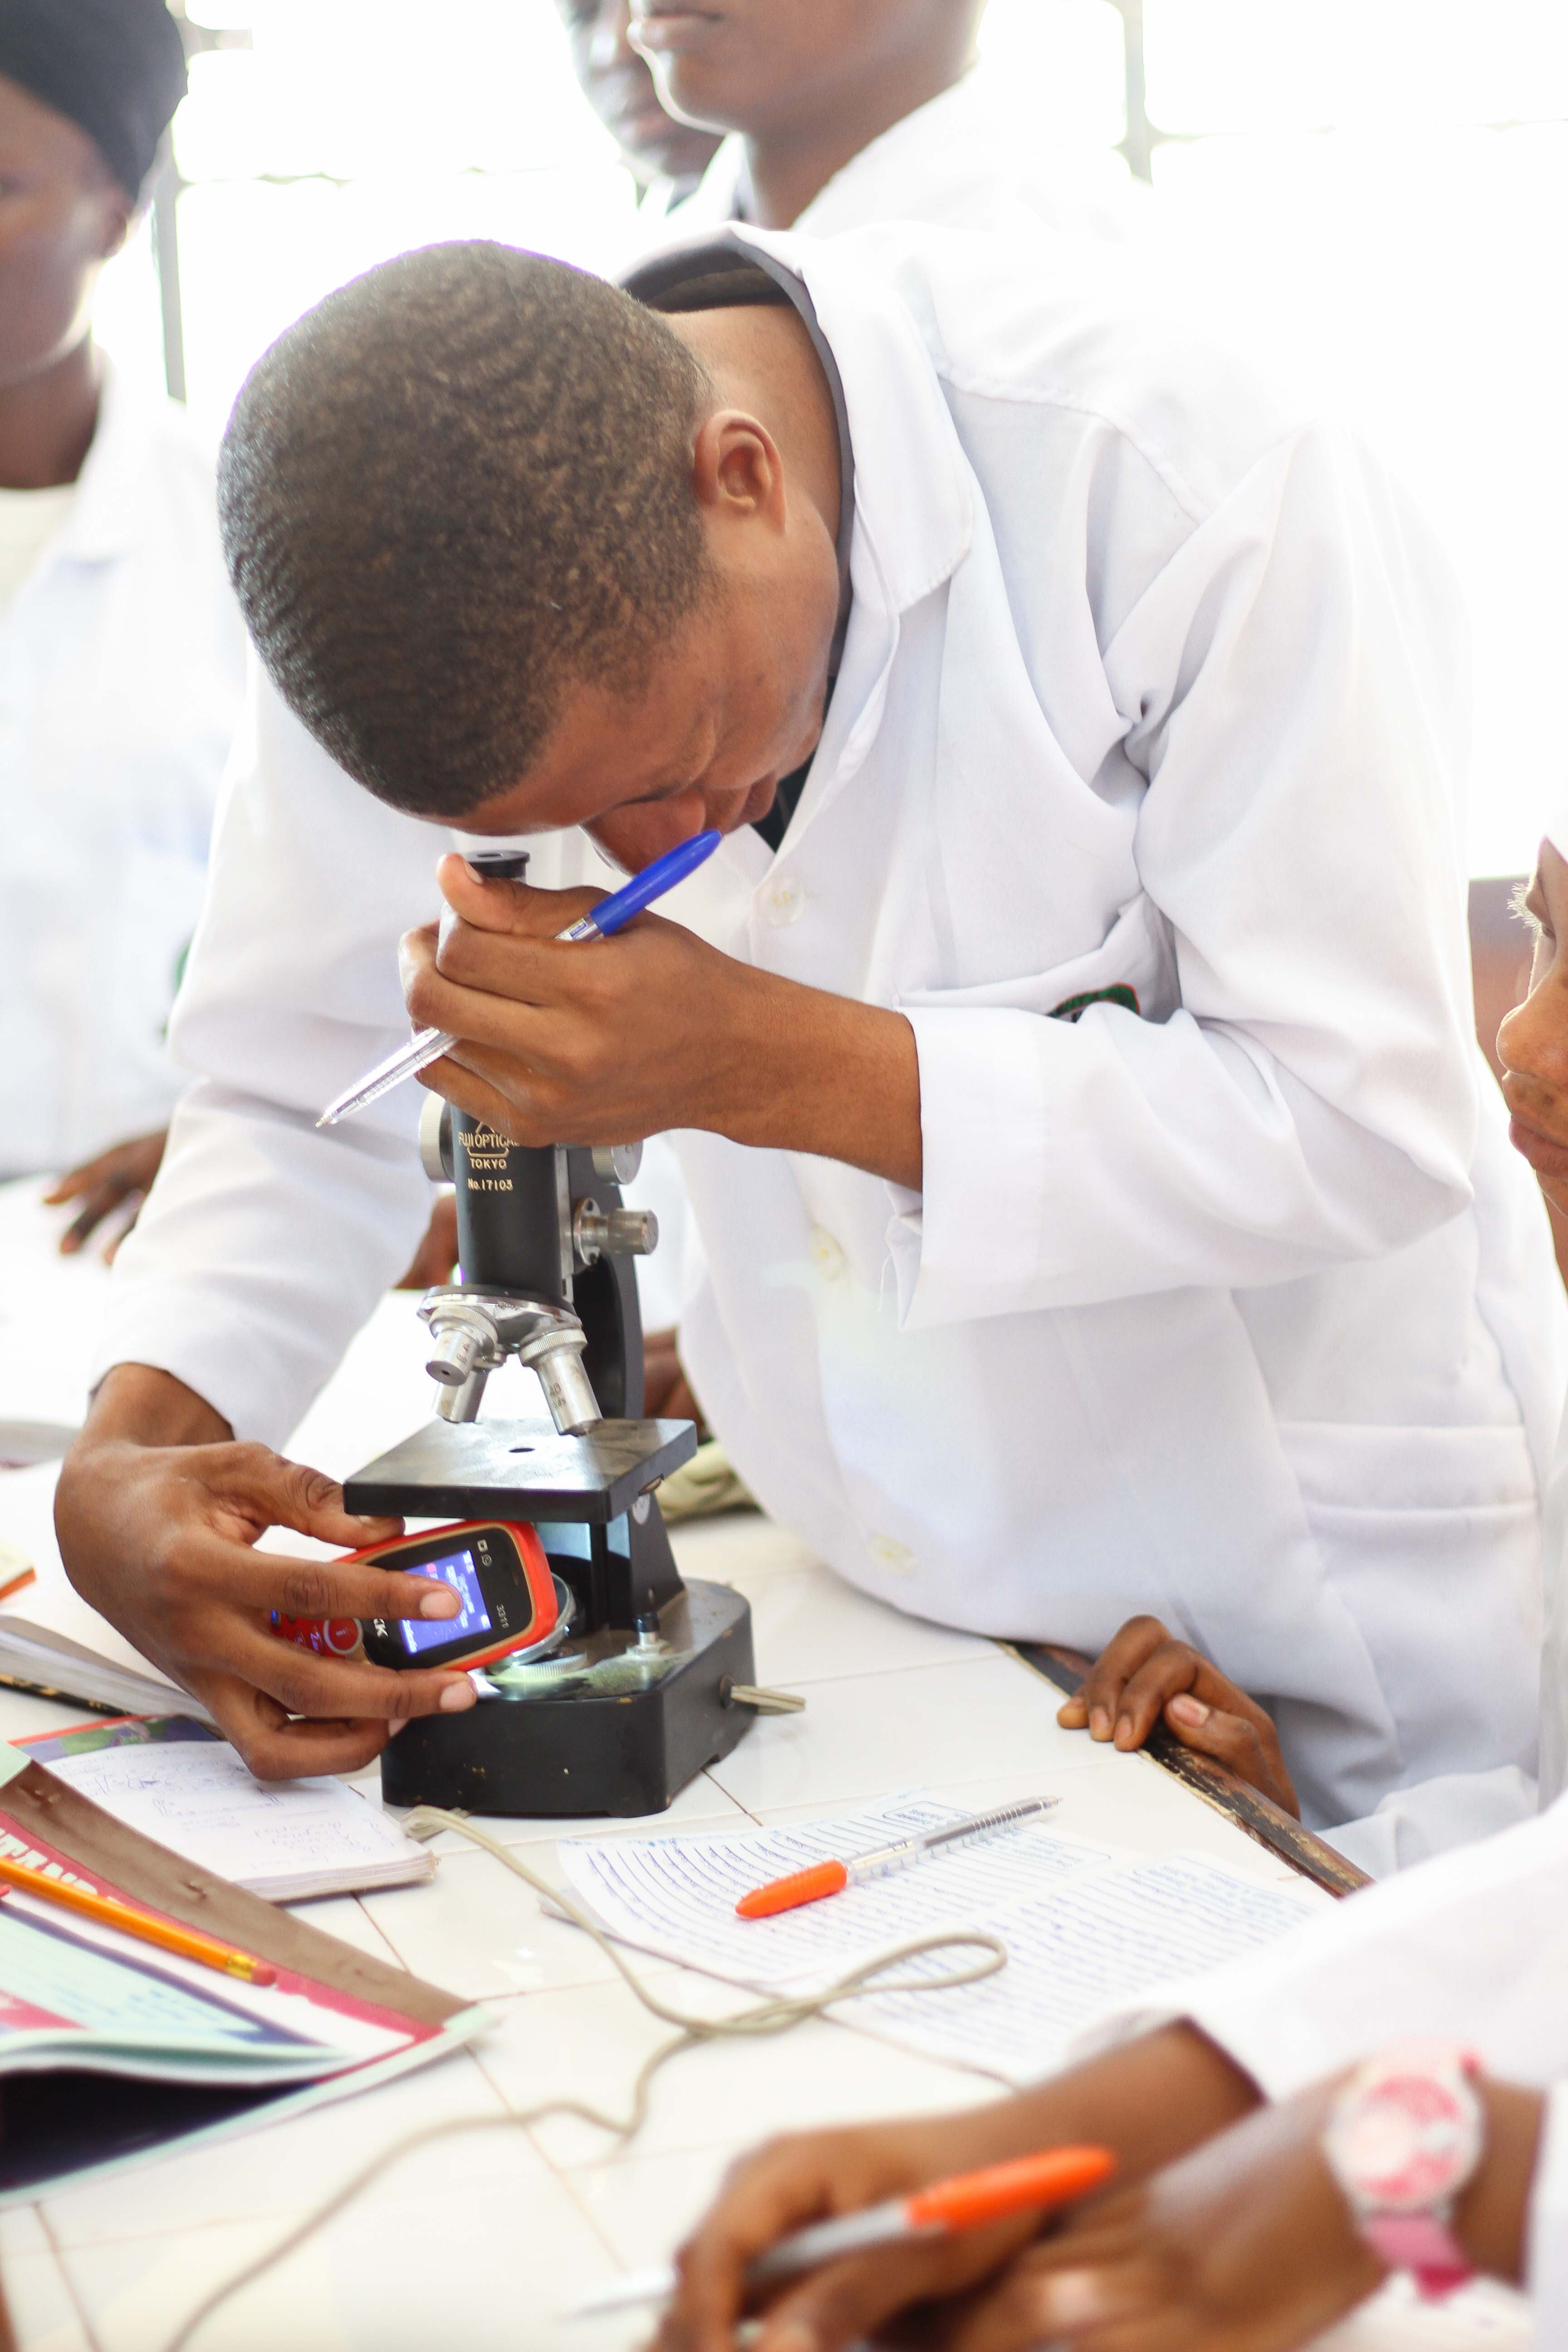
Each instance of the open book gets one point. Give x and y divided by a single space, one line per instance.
112 2047
176 1781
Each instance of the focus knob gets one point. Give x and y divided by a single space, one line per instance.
618 1233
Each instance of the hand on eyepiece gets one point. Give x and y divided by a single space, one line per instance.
650 1030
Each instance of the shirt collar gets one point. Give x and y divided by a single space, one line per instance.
913 489
912 495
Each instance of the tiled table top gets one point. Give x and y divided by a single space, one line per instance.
485 2238
490 2235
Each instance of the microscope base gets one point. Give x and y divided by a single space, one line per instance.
601 1730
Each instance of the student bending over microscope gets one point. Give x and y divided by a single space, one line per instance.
1103 1205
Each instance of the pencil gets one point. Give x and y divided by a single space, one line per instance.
19 1584
165 1932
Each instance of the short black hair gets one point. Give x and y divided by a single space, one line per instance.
458 487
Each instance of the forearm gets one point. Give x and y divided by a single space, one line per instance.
139 1404
1149 2100
1494 2211
825 1075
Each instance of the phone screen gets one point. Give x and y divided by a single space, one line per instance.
456 1569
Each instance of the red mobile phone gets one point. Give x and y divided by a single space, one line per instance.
500 1573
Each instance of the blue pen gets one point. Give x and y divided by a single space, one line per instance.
608 917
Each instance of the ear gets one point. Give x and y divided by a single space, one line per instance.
737 472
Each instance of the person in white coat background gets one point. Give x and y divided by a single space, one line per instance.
839 116
122 651
1099 1207
1239 2231
665 156
840 113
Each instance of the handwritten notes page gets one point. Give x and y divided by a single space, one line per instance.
1086 1926
677 1896
179 1784
1084 1949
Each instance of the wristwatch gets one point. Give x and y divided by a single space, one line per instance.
1404 2138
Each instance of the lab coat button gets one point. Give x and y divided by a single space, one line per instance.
890 1554
826 1255
784 902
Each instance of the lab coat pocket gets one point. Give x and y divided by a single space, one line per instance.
1134 967
1431 1537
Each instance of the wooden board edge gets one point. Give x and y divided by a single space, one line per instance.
61 1817
1267 1824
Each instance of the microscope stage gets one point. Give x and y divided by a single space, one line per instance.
521 1470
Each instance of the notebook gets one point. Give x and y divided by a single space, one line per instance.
112 2047
176 1781
1086 1926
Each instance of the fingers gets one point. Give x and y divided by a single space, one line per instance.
336 1689
278 1493
846 2303
516 909
274 1747
521 1117
438 997
534 1001
78 1181
1097 1701
807 2178
1249 1750
313 1588
1033 2304
101 1201
102 1184
1145 1675
780 2188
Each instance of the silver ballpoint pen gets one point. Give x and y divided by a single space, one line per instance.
608 917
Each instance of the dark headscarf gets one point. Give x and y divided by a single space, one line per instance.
115 67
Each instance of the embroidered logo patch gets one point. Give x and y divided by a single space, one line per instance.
1120 993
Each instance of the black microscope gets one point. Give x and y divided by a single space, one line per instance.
651 1678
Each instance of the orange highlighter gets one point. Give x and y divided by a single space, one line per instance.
1029 2184
832 1878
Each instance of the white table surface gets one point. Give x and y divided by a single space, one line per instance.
485 2240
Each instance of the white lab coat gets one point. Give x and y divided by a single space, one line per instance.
1148 685
957 161
1554 1647
1472 1948
121 673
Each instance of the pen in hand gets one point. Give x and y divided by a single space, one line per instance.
602 922
968 2201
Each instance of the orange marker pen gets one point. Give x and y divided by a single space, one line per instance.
832 1878
967 2201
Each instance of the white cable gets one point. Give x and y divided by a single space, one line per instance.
774 2016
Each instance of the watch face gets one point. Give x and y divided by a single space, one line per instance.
1407 2142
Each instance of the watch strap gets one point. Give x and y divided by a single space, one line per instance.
1421 2244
